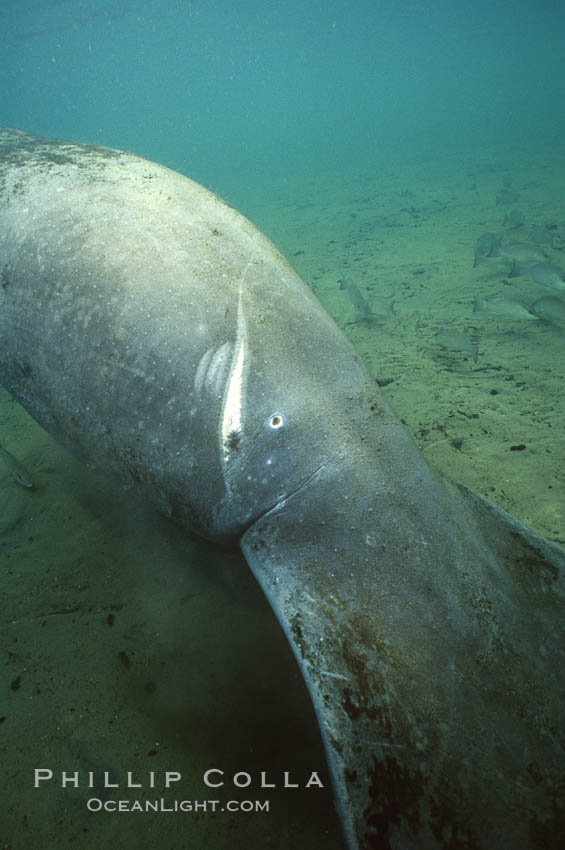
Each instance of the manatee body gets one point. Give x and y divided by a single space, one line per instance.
152 328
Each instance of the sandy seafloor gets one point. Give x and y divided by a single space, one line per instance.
129 646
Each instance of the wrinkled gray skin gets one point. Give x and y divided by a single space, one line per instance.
153 329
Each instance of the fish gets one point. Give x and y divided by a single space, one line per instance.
520 255
521 252
544 235
550 308
516 256
366 313
356 297
455 340
507 195
18 472
500 306
514 220
547 274
488 245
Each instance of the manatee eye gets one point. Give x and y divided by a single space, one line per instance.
275 421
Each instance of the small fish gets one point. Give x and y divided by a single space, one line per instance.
380 308
507 195
488 245
499 306
547 274
522 253
355 296
457 341
514 220
517 256
543 235
15 468
550 308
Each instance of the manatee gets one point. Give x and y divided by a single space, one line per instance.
154 330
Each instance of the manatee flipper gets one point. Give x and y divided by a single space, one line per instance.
433 677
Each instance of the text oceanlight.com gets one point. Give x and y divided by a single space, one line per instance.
94 804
